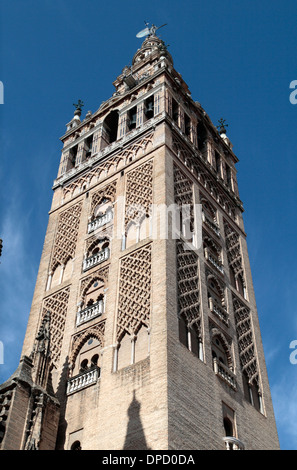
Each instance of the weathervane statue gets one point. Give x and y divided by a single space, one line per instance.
149 31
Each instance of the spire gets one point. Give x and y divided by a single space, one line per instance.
151 44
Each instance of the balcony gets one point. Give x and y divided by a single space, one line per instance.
100 221
213 260
210 223
83 380
224 373
231 443
88 313
98 258
218 310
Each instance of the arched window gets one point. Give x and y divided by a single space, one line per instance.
110 127
228 426
201 137
76 446
220 351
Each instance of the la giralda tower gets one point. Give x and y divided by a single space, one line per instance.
143 332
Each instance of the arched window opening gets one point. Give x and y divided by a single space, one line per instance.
2 432
240 285
201 137
175 111
187 125
76 446
88 146
72 156
94 360
183 331
87 357
232 277
110 127
219 351
228 426
149 107
84 365
218 163
132 113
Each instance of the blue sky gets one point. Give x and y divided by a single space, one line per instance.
238 59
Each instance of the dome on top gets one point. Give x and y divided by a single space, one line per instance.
149 46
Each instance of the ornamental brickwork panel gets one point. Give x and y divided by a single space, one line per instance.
134 305
56 305
66 236
188 285
233 249
139 193
108 192
183 193
246 346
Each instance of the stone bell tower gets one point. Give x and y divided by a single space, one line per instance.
141 336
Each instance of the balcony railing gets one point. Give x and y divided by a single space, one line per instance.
231 443
83 380
100 221
98 258
224 373
210 223
88 313
218 310
213 260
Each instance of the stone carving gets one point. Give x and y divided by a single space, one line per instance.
233 250
111 166
108 192
56 305
139 193
183 193
66 236
134 292
246 345
78 340
188 286
205 177
100 274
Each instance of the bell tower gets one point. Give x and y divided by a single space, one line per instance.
143 325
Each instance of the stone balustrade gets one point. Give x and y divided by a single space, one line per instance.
210 223
88 313
224 373
83 380
100 221
231 443
213 260
98 258
218 310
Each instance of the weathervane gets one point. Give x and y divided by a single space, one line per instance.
79 105
149 31
222 127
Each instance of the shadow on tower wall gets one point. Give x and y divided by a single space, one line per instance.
135 437
61 394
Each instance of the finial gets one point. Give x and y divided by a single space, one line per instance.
222 126
78 107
